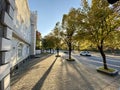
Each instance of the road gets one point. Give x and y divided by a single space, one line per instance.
96 60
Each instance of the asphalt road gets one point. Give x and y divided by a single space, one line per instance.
96 60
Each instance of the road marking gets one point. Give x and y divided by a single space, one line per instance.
113 60
108 58
101 63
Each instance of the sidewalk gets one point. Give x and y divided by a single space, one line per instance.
58 74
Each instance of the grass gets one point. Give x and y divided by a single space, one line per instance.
58 55
109 70
70 59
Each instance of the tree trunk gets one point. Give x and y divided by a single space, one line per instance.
78 47
50 50
100 48
57 51
70 50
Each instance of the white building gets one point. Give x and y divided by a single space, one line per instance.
17 36
33 32
24 33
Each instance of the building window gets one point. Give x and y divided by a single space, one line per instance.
20 47
27 50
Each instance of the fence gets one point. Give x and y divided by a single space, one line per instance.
38 52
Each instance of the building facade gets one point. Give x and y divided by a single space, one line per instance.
24 33
33 32
21 37
7 8
17 36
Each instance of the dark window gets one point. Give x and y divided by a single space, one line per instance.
20 50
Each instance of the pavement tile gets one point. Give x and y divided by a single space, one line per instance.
59 74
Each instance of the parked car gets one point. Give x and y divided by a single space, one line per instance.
85 53
66 52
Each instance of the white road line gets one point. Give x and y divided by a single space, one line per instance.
101 63
113 60
108 59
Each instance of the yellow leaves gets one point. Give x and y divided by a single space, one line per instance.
85 44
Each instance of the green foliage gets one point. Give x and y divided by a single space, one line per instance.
100 24
38 40
56 34
108 70
52 40
48 42
92 25
100 21
70 23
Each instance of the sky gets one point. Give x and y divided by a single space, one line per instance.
50 12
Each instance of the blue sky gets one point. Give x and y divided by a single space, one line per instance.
50 12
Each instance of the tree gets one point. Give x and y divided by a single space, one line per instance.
100 22
44 44
49 41
69 23
116 7
113 42
56 34
38 40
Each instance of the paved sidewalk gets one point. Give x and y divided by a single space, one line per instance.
58 74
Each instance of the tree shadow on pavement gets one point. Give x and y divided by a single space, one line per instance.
24 68
78 80
83 76
40 83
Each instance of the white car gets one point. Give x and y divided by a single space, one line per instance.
85 53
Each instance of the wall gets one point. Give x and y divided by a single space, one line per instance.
22 23
6 27
33 32
21 33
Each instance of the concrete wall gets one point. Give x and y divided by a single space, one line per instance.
6 28
15 59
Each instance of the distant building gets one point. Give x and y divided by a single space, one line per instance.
17 36
33 32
